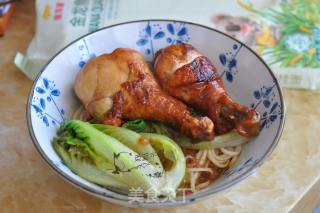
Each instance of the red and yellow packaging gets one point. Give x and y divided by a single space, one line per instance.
5 14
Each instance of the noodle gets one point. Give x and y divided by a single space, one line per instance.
203 185
233 160
188 157
214 158
195 172
221 158
193 182
234 152
203 157
200 170
198 156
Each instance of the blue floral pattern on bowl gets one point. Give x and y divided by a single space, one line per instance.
177 33
173 33
265 99
85 53
150 34
229 61
45 94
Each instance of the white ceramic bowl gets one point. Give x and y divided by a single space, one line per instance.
247 78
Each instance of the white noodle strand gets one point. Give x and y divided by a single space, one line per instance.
213 158
203 185
200 170
231 152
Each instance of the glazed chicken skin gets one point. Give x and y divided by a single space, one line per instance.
120 85
189 76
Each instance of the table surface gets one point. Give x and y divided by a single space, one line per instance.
27 183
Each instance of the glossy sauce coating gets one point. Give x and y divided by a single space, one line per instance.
197 83
120 86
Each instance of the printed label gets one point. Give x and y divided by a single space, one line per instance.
316 35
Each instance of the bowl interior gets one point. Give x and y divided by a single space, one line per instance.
247 79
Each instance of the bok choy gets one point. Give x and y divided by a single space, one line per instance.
226 140
119 158
84 149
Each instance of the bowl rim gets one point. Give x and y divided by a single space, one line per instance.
123 199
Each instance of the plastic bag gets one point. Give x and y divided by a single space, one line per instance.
59 22
293 54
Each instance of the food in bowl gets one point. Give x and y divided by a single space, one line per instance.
182 132
133 93
189 76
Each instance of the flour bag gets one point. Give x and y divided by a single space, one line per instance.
285 33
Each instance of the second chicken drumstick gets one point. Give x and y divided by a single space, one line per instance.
189 76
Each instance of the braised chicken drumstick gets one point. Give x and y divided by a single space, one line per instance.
120 85
190 77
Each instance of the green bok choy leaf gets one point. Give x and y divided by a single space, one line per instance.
102 159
